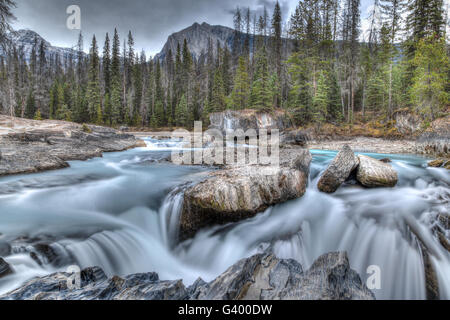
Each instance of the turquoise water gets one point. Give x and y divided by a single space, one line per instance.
120 212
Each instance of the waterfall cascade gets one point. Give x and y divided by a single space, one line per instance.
121 213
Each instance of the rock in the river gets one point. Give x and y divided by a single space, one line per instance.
261 277
264 277
31 146
438 163
373 173
238 193
5 248
5 269
338 171
248 119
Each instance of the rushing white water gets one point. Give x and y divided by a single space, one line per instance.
121 213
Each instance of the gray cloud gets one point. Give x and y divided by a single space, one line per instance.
151 21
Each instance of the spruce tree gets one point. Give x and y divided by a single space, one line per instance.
93 90
241 89
116 88
30 107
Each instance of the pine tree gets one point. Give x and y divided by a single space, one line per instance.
116 88
320 100
93 90
38 115
428 92
260 97
106 64
241 89
277 46
393 10
30 108
181 113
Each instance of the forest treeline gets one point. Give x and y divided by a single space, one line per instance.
318 66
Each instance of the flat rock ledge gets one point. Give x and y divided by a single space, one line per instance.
240 192
261 277
28 146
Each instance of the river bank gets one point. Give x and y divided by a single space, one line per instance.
122 213
28 146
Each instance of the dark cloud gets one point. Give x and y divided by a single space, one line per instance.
151 21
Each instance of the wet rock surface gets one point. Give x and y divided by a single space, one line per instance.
239 192
248 119
338 171
261 277
373 173
5 269
30 146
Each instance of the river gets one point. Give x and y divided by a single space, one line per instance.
120 213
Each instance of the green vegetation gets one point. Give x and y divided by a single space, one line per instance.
321 69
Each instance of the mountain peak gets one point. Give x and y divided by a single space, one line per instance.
197 37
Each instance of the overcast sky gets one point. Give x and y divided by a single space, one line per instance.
151 21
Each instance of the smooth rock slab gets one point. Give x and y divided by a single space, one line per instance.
373 173
238 193
338 171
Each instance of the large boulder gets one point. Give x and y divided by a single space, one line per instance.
373 173
248 119
265 277
338 171
261 277
238 193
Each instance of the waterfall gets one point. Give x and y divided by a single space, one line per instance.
122 213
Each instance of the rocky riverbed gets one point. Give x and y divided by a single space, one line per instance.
28 146
260 277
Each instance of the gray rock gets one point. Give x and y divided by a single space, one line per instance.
296 137
32 146
261 277
238 193
338 171
264 277
436 139
5 269
373 173
248 119
5 249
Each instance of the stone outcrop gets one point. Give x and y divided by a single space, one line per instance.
338 171
240 192
436 139
5 269
30 146
261 277
406 122
248 119
438 163
373 173
296 137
